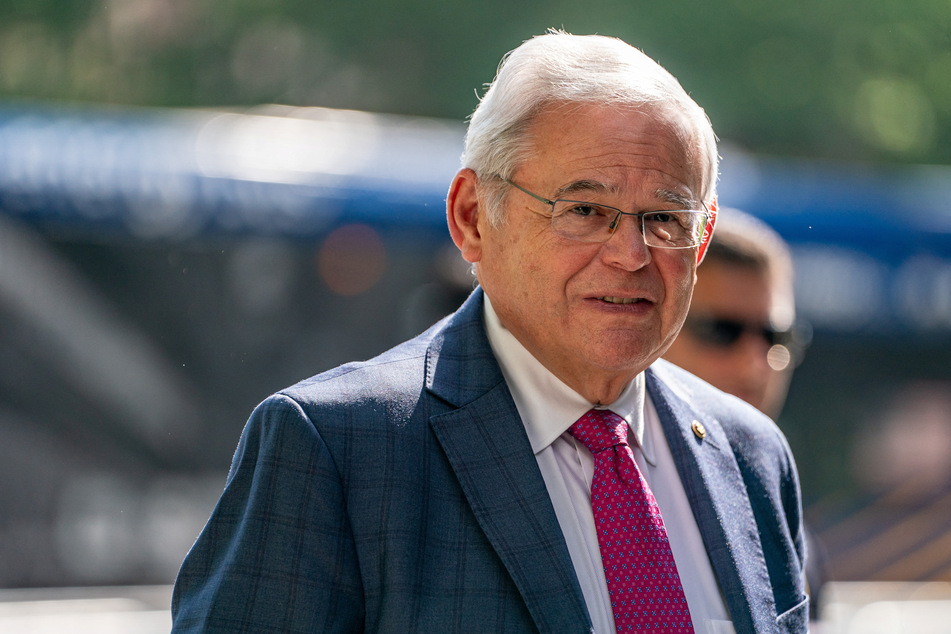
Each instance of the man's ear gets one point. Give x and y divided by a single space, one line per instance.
707 231
462 213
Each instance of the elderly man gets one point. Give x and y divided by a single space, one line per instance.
527 464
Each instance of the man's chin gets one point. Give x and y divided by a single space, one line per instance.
624 360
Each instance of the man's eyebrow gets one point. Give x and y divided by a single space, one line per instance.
584 187
674 198
595 187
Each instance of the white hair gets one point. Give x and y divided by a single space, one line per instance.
562 68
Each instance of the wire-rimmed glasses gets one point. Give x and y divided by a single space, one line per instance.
592 222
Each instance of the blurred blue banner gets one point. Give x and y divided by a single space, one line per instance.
870 242
184 174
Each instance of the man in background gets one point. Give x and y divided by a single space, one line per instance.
739 334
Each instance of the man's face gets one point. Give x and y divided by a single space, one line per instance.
742 295
594 314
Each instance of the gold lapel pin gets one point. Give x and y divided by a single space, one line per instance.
698 429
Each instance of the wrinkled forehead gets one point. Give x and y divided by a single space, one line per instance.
684 138
686 132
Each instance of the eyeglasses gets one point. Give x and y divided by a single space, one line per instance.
786 347
724 333
591 222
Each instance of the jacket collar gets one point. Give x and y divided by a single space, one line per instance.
486 444
718 496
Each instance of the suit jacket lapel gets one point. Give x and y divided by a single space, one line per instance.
721 506
487 446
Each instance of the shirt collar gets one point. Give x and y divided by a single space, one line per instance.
547 405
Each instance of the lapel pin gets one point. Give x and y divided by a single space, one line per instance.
698 429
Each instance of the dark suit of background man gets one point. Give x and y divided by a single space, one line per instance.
434 488
741 336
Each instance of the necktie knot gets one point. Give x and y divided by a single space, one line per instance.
600 429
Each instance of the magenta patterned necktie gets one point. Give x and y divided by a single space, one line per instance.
645 589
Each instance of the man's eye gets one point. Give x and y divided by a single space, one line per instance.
586 210
661 217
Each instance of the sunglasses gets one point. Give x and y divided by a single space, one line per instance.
724 333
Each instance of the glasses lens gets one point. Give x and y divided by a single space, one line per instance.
582 221
726 332
588 222
716 332
679 229
777 337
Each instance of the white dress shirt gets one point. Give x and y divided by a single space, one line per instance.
548 407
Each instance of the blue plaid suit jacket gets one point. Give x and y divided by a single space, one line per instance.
401 495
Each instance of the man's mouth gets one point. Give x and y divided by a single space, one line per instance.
622 300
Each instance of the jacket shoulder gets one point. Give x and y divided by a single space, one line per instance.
451 361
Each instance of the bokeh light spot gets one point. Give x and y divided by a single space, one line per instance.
352 259
894 114
778 357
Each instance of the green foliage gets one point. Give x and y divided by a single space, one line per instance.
838 78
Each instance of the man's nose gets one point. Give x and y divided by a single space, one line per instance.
626 246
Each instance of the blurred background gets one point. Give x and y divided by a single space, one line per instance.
203 201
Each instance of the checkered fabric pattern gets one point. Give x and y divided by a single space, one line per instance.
645 589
